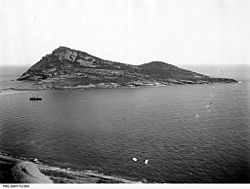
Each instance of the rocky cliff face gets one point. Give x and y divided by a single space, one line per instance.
68 68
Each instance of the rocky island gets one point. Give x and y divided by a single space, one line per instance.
67 68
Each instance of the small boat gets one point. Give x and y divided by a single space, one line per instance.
35 98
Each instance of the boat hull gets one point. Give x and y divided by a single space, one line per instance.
35 99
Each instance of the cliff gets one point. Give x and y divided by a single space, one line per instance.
69 68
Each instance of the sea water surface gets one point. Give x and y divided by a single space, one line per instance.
188 133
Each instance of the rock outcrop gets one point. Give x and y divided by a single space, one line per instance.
69 68
27 172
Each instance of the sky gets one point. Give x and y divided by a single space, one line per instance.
180 32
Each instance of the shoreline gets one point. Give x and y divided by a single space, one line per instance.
36 87
57 174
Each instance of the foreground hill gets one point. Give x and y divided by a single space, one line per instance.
31 170
68 68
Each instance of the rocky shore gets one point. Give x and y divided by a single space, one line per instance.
52 84
20 170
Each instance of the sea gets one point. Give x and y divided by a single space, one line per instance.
173 134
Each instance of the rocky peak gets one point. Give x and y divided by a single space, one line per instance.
61 48
65 53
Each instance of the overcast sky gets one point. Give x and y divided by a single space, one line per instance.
180 32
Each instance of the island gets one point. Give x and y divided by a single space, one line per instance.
66 68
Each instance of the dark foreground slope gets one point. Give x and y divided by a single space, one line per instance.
19 170
68 68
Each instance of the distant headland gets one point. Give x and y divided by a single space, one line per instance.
67 68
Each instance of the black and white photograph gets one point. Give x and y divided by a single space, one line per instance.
117 92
